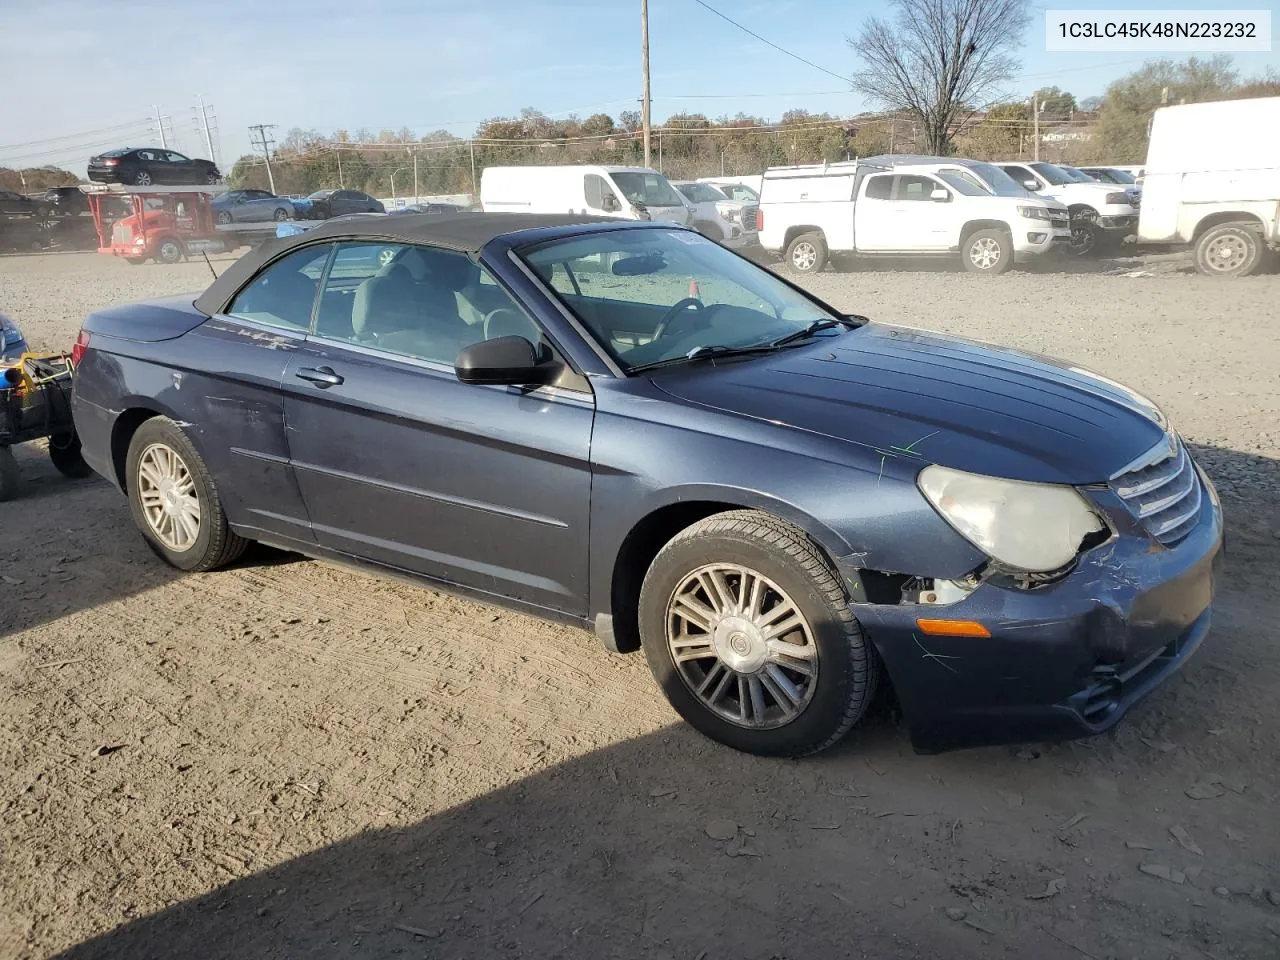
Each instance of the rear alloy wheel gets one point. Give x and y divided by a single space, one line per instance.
282 214
174 500
1229 250
224 216
142 179
807 253
988 251
749 633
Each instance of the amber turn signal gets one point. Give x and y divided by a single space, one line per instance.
953 628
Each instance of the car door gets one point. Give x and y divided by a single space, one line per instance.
875 229
184 169
236 390
401 464
924 224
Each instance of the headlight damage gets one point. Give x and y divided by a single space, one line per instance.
1029 527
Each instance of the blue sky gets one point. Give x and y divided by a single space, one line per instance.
90 78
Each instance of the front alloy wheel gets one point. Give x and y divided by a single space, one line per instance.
749 633
742 646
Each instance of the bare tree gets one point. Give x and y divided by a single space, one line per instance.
936 60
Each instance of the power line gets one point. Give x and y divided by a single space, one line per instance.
793 56
76 136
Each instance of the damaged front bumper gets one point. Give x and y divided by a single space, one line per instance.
1064 660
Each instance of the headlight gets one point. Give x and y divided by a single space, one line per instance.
1034 213
1121 198
1034 527
729 211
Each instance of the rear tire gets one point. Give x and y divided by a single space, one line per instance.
65 453
10 475
142 179
164 475
1230 250
224 216
282 215
807 253
987 251
787 693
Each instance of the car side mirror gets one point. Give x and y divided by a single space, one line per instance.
1031 184
940 195
610 204
509 361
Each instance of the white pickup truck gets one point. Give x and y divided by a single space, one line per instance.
906 207
1101 214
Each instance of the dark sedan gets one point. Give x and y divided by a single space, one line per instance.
148 166
626 427
340 203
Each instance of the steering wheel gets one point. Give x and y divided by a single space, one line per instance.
678 311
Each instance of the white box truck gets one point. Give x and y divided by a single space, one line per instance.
1213 182
629 193
897 206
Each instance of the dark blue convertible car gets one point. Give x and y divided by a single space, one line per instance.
627 427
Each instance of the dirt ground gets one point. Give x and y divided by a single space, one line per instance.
288 760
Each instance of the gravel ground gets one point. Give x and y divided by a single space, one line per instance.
285 759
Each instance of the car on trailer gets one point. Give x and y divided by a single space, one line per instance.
151 166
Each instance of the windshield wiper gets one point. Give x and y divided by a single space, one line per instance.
705 352
826 323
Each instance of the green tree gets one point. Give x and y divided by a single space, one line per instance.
1121 135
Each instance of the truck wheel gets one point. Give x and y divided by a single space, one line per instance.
10 477
1229 250
65 453
807 253
174 500
988 251
749 634
168 250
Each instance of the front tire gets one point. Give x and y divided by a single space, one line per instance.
749 634
169 250
1230 250
174 500
987 251
807 253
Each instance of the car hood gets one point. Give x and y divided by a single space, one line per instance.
959 403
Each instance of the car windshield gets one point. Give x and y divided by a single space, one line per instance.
1054 175
997 181
964 183
1077 175
647 189
1116 176
654 295
701 192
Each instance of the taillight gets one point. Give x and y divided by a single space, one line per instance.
79 347
760 218
109 163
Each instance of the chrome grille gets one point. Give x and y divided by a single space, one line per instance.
1162 490
749 216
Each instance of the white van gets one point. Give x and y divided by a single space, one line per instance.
1213 181
629 193
899 206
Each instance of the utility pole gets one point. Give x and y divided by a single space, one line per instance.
204 121
261 129
1035 121
474 189
338 151
414 153
644 67
160 128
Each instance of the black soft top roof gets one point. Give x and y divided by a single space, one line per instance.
464 232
